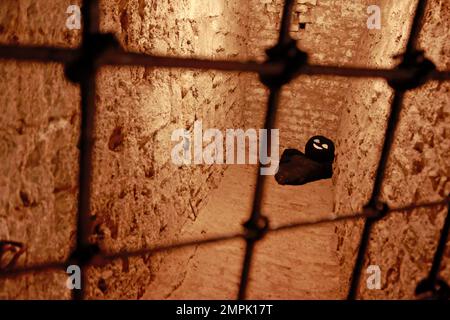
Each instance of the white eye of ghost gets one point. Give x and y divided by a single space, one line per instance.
318 145
325 146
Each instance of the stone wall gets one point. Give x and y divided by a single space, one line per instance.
139 197
418 169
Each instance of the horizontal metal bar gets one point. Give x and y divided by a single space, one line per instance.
128 254
302 224
139 59
38 54
45 267
119 58
356 216
145 60
388 74
442 202
101 258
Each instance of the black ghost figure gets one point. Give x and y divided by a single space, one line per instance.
297 168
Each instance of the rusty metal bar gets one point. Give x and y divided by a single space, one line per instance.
139 59
87 88
440 249
38 54
258 195
350 72
393 120
270 119
120 58
105 257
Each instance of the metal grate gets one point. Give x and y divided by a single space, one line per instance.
285 62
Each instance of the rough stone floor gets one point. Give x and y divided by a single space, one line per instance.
289 264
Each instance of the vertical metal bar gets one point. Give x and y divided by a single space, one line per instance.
396 106
87 90
416 26
286 18
269 124
258 195
250 245
439 254
91 17
368 224
387 146
87 87
274 96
